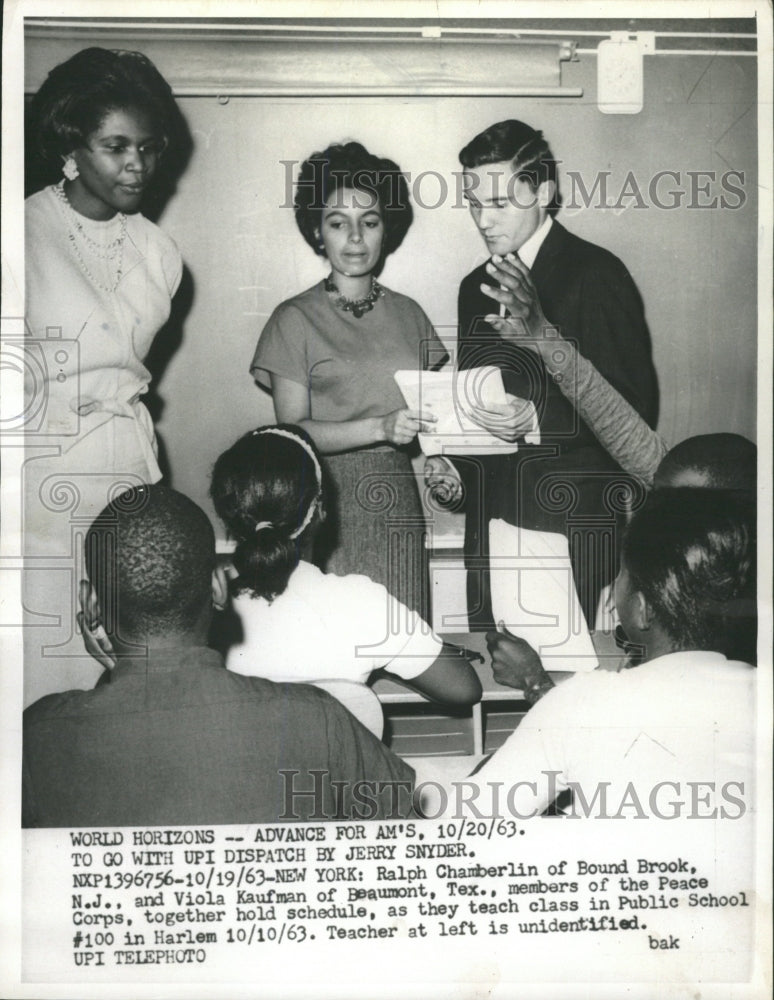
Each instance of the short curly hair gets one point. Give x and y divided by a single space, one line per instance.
150 555
78 94
350 165
723 461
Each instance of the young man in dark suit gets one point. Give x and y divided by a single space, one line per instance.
567 483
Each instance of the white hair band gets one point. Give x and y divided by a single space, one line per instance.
290 436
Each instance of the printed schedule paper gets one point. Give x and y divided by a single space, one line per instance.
452 397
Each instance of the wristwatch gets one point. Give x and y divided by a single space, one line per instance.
534 692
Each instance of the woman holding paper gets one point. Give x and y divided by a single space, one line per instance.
329 357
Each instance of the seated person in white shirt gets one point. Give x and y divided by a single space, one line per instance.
300 624
684 713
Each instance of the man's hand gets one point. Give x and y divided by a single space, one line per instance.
96 642
527 322
443 479
515 664
509 422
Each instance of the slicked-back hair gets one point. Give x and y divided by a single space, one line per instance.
150 555
691 553
523 147
350 165
722 461
78 94
270 480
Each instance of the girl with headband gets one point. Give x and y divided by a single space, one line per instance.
300 624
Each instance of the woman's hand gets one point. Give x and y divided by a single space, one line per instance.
335 437
402 426
527 322
509 422
443 479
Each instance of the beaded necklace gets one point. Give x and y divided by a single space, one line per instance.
112 252
356 306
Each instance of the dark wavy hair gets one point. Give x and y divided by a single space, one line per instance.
150 555
350 165
270 482
78 94
526 149
691 553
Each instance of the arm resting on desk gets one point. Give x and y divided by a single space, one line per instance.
449 679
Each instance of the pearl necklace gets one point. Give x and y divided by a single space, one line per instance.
356 306
109 252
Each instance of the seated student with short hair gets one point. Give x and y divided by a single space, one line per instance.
708 461
173 738
715 461
720 462
686 711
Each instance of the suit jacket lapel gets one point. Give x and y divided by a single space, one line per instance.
549 254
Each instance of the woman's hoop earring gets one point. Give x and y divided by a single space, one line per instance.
70 168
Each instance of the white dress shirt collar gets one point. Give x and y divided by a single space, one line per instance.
529 250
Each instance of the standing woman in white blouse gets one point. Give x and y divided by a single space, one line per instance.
99 278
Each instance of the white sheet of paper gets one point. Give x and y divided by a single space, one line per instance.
534 595
450 395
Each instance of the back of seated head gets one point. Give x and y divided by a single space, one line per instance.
149 556
267 489
715 461
691 553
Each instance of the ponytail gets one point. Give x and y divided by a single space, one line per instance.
265 562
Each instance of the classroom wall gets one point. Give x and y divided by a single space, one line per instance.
695 266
